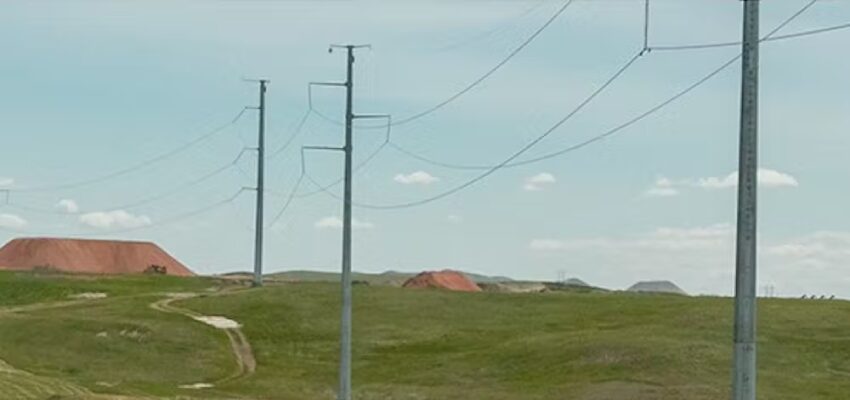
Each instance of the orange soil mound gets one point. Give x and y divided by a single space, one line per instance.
446 279
88 256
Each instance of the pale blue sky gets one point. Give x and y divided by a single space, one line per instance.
91 87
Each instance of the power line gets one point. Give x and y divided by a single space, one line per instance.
507 162
289 198
563 120
147 200
585 143
616 129
178 217
356 169
518 153
766 39
171 220
296 132
503 27
293 193
137 166
474 83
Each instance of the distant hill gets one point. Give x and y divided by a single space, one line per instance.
575 282
390 278
657 287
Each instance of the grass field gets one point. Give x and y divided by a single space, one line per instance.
412 344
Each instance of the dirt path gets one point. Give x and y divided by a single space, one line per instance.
246 364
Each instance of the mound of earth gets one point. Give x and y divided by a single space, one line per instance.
446 279
514 287
89 256
656 287
576 282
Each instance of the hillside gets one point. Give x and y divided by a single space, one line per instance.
392 278
408 344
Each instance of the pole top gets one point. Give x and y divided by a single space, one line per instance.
257 80
348 47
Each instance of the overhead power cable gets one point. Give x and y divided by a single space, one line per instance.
295 133
608 133
135 167
563 120
147 200
772 39
173 219
289 198
474 83
170 220
356 169
518 153
765 39
498 30
528 146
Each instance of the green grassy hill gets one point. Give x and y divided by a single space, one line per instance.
408 344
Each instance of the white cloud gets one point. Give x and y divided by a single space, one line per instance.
6 181
455 219
663 187
68 206
336 223
664 238
539 181
416 178
12 221
114 219
702 259
767 178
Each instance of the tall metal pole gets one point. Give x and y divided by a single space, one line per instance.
261 139
345 334
744 374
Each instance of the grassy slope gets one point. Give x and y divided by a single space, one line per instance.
422 344
144 351
18 288
432 344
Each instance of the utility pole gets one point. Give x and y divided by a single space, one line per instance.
345 333
348 149
261 144
744 373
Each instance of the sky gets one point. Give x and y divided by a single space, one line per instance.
117 123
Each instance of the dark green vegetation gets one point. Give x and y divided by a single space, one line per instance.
423 344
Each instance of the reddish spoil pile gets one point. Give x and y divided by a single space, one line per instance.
446 279
88 256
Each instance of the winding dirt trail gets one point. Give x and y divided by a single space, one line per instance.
246 363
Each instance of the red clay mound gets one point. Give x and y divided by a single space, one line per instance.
88 256
446 279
